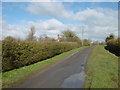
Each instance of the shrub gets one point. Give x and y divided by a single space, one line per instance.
20 53
113 46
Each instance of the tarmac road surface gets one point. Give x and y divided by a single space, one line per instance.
66 73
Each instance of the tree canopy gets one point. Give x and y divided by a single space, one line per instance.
111 36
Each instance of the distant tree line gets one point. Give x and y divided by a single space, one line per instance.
67 36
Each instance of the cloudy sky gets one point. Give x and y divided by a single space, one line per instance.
98 19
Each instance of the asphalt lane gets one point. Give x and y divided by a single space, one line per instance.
68 73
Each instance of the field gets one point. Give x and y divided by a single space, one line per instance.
102 69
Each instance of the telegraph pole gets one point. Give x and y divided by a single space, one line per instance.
82 35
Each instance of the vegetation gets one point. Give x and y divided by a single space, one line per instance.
113 44
13 77
102 69
31 36
18 53
111 36
70 36
21 53
86 42
45 38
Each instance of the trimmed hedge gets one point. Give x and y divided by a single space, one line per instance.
113 46
20 53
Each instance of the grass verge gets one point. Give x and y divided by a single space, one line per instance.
17 75
102 69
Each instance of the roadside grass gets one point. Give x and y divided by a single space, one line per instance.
12 77
102 69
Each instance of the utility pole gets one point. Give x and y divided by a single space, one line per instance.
82 35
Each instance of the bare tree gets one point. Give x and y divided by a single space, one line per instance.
31 36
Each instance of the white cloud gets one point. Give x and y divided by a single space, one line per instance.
100 33
51 24
54 27
98 22
59 0
57 10
50 27
97 16
86 0
0 26
18 31
50 9
88 14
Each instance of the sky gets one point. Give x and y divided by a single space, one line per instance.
97 19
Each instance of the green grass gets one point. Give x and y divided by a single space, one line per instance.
102 69
17 75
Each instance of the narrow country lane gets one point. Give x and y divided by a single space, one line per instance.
68 73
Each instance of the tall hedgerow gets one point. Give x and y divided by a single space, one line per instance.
113 46
21 53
